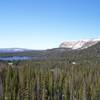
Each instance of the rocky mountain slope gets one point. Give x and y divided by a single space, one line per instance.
81 44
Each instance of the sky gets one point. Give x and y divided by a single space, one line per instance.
44 24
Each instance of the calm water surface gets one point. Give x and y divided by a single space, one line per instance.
15 58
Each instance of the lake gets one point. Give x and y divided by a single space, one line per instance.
15 58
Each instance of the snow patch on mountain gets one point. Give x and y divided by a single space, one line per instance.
11 50
81 44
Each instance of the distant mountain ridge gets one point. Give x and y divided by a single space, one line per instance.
81 44
90 52
13 50
69 45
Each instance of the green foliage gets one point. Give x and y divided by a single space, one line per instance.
51 81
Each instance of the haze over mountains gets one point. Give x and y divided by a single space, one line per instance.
13 50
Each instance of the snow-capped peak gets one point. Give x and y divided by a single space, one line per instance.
80 44
97 39
18 50
11 50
